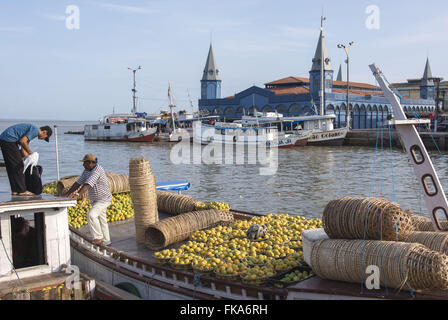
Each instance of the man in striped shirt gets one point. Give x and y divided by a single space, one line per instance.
94 180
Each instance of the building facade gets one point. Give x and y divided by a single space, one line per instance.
425 88
296 96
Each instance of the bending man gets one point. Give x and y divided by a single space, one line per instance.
11 139
94 180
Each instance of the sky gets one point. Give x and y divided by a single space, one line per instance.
56 67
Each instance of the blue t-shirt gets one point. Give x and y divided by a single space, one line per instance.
18 131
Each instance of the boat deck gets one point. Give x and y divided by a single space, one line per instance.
123 239
7 199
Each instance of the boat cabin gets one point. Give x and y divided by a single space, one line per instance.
34 235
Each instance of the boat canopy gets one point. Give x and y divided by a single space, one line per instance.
174 185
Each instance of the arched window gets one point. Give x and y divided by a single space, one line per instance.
343 115
294 110
217 110
282 109
356 117
253 109
240 111
363 117
307 111
267 109
229 111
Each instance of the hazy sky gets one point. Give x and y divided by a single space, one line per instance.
49 71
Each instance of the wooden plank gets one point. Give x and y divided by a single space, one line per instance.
53 295
23 296
78 294
65 294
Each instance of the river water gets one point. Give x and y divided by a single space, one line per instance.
306 179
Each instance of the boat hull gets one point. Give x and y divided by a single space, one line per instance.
143 138
328 138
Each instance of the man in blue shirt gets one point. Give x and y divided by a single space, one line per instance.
11 139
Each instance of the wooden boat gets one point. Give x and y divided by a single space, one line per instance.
126 261
322 128
147 135
121 128
239 135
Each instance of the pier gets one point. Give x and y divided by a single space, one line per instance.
368 138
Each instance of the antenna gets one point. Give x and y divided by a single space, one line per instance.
134 91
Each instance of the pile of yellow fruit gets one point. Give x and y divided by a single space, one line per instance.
213 205
120 209
225 250
296 276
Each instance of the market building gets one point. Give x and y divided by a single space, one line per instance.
298 96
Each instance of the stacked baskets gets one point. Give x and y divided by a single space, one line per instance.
407 266
118 183
367 218
175 229
143 194
407 259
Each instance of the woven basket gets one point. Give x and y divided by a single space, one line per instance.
437 241
406 266
175 204
143 194
370 218
118 183
425 224
175 229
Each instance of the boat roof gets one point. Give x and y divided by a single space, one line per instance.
9 202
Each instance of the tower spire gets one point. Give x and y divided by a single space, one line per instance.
427 75
321 54
210 71
340 76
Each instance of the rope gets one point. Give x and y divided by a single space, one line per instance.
368 207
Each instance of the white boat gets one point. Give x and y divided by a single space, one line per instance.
120 127
168 132
237 134
322 128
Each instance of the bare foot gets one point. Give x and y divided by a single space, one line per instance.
26 193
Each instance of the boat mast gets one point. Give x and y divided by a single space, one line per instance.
172 106
134 91
322 66
434 195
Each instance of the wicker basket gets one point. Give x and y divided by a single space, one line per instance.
175 204
143 194
366 218
406 266
437 241
425 224
175 229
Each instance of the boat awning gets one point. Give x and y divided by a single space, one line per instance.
175 185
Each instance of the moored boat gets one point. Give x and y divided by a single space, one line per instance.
322 128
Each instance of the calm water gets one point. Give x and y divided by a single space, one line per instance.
306 179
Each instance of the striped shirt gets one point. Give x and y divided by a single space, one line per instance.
99 187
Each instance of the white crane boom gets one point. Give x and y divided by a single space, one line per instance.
433 193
